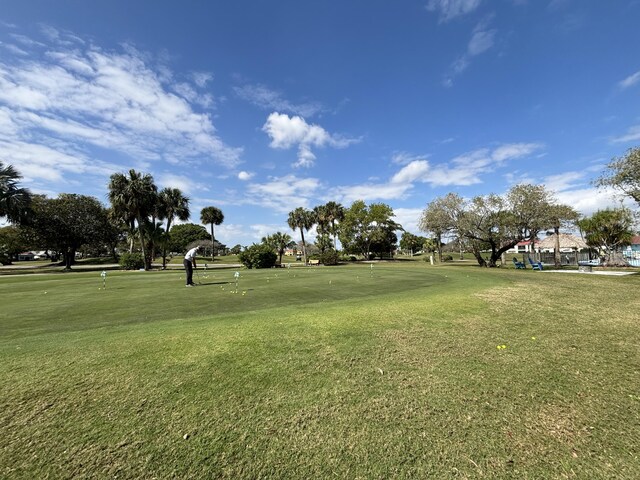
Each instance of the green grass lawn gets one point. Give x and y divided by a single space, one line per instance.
323 372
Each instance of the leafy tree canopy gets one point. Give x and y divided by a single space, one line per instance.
607 231
492 222
182 235
368 227
623 173
66 223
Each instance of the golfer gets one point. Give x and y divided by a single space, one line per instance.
190 264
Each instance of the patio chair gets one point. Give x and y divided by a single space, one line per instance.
518 264
535 265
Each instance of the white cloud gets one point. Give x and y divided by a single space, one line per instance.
286 132
630 81
231 234
371 191
14 49
482 39
480 42
261 230
512 151
408 218
283 194
244 176
269 99
416 170
632 135
51 162
449 9
462 170
588 200
72 97
564 181
182 182
202 78
405 158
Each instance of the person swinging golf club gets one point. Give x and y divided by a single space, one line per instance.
190 264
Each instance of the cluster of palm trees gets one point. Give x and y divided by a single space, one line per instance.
327 218
138 205
141 208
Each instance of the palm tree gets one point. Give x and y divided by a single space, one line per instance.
560 215
279 242
134 197
212 216
321 215
303 219
334 212
14 201
173 204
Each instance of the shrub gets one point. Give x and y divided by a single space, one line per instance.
258 256
447 258
131 261
329 257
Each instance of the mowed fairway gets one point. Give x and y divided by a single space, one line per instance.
328 372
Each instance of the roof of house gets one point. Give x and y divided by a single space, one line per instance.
566 241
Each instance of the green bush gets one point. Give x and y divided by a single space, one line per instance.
447 258
131 261
329 257
258 256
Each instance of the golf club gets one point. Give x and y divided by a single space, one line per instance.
197 275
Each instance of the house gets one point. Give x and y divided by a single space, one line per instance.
26 256
632 253
523 247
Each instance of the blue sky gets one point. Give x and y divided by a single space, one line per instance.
260 107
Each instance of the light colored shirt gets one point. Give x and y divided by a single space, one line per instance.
191 254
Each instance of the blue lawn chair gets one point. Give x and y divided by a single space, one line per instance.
535 265
518 264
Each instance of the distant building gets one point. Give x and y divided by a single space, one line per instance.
523 247
568 243
26 256
632 253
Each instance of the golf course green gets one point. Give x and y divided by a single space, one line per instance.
400 370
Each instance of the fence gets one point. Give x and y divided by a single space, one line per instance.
632 257
566 258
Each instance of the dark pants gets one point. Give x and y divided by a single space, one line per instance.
188 266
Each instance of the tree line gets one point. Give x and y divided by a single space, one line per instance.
492 224
139 213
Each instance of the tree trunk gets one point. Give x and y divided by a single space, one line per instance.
164 245
304 247
212 244
131 240
439 240
478 254
147 265
69 254
152 242
556 248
